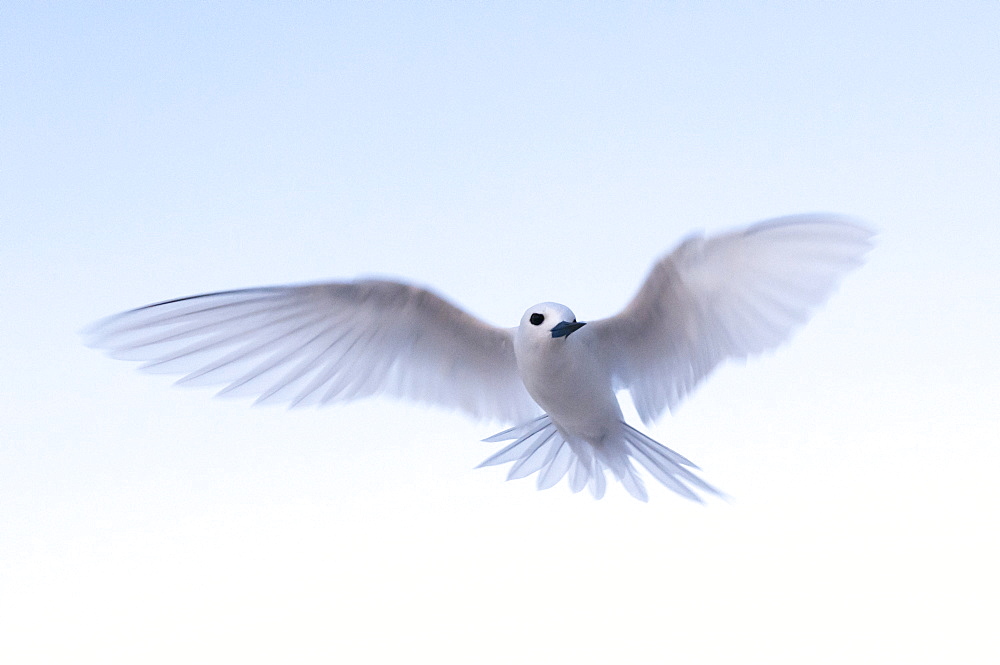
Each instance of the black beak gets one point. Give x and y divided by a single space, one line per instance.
566 328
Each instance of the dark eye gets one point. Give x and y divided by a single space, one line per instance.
536 319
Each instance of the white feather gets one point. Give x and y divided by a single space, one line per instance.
727 297
324 343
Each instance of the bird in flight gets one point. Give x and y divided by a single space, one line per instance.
554 378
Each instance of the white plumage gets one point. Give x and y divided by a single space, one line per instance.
730 296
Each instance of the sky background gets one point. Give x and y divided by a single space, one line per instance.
505 154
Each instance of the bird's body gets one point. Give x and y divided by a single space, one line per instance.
566 377
726 297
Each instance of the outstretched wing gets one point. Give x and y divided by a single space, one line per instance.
322 343
729 296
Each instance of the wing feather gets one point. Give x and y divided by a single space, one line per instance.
328 342
727 297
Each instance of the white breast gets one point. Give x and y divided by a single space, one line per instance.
571 384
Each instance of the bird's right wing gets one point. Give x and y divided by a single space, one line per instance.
729 296
328 342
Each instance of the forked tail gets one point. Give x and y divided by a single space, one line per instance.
540 447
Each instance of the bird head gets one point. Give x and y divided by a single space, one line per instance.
548 320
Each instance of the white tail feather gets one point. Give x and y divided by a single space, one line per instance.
540 447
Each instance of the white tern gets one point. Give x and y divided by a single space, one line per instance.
729 296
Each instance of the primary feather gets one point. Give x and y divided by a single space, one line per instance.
727 297
324 343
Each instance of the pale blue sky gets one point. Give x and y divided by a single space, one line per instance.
505 155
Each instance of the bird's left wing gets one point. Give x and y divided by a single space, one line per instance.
327 342
726 297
